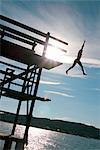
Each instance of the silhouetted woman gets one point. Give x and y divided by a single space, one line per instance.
77 60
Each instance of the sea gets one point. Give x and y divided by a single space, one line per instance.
40 139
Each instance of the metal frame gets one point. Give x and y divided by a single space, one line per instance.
30 75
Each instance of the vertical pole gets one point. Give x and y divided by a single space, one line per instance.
7 144
46 44
16 117
3 82
35 92
19 145
19 104
27 107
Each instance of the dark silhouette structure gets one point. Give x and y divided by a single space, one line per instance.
21 81
77 60
33 47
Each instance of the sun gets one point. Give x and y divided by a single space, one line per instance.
54 52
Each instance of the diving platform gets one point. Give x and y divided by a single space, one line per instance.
21 68
26 56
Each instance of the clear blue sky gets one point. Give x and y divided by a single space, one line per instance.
74 97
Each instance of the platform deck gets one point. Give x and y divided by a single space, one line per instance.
24 55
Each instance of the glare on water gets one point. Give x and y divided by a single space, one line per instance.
40 139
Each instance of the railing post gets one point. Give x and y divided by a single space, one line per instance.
35 92
46 44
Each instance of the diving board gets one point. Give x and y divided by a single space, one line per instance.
24 55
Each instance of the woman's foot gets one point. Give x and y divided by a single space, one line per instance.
66 72
84 73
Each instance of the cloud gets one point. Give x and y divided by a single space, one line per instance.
71 27
77 76
91 62
76 71
96 89
68 24
61 70
59 93
49 82
12 62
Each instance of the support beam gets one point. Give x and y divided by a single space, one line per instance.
7 144
16 76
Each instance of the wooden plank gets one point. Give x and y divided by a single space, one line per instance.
25 55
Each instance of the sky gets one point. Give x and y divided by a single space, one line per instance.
74 97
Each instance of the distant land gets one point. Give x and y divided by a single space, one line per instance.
55 125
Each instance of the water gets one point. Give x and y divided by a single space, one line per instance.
40 139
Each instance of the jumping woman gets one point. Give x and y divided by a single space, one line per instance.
77 60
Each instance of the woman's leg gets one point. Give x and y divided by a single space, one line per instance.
71 66
81 67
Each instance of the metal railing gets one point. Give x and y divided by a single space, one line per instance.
20 36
